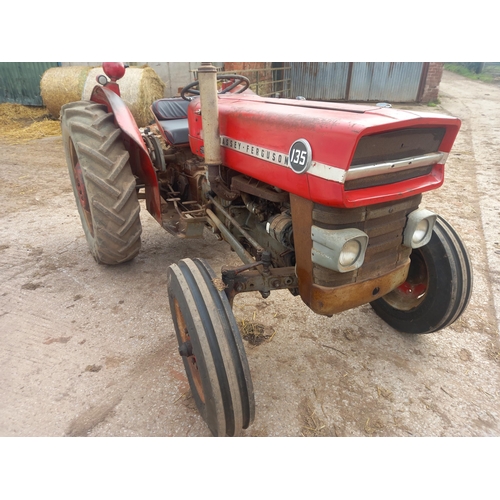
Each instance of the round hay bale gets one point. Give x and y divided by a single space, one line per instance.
62 85
139 88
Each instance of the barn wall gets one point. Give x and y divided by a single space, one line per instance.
20 82
366 81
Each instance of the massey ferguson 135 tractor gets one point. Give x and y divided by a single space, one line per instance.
318 198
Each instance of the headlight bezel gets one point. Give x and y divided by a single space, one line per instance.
414 219
330 247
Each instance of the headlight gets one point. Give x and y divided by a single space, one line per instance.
341 250
419 227
350 253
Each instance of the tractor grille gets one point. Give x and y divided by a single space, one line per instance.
394 156
397 144
383 223
383 179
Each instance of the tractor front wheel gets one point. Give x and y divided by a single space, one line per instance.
211 348
437 289
103 183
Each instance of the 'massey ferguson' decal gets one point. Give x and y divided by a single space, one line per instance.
318 169
255 151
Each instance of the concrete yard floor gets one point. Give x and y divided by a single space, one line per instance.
90 350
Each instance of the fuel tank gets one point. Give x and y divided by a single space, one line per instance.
335 154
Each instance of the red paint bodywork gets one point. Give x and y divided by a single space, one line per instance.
333 131
140 161
114 70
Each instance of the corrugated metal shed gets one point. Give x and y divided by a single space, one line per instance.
385 81
359 81
319 80
20 81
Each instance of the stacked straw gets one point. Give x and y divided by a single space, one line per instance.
139 88
61 85
20 124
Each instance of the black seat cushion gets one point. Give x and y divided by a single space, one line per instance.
171 115
176 131
170 108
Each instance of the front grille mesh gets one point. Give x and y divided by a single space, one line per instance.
390 147
397 144
390 178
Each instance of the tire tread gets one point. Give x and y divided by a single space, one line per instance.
109 181
454 269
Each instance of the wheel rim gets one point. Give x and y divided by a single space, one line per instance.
83 199
413 291
190 361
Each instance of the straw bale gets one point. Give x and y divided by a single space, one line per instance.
139 88
62 85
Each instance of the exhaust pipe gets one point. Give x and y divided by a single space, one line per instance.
207 76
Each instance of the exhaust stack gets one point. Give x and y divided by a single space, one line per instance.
207 76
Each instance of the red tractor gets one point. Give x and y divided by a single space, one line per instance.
318 198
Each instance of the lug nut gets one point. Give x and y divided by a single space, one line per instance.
186 349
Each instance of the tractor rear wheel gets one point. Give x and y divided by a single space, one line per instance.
103 183
437 289
211 348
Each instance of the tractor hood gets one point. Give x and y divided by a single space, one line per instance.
335 154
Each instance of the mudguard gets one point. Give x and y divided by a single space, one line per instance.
139 157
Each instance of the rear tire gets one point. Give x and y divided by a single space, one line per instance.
212 349
438 288
103 183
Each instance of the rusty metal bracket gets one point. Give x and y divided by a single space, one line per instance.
251 279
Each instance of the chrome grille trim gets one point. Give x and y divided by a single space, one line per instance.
361 171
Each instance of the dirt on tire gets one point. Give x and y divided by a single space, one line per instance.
103 182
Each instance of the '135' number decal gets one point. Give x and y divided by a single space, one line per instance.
300 156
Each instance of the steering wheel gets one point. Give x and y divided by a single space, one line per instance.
236 79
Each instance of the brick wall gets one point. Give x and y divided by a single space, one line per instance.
431 85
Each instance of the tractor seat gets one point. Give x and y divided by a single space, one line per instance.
171 116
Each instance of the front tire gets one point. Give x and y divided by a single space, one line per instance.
438 288
212 349
103 183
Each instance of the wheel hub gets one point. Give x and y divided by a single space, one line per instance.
412 292
186 350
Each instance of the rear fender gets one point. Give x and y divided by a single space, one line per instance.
140 161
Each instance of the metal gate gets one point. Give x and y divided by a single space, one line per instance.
370 81
20 81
